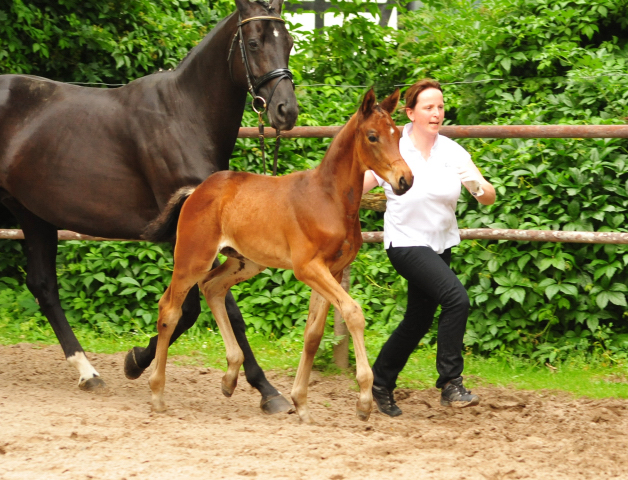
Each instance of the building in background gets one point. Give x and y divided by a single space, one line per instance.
318 18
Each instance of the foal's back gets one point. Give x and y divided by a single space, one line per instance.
269 219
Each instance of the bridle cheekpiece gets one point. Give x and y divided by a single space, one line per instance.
255 84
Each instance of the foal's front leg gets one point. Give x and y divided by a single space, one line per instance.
320 279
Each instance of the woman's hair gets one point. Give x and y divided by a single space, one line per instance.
412 93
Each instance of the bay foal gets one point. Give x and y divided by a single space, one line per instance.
306 221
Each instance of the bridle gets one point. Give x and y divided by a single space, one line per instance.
255 84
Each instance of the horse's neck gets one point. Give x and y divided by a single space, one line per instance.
340 170
204 77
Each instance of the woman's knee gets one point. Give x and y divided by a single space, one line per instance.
456 298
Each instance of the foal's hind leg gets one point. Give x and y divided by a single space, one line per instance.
169 314
138 359
314 329
41 280
215 286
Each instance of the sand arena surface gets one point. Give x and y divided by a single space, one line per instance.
49 429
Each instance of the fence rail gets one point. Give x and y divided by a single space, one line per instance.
451 131
469 131
557 236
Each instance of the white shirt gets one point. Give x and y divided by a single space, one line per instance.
426 214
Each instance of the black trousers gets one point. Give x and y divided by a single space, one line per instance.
430 283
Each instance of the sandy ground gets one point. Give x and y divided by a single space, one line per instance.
49 429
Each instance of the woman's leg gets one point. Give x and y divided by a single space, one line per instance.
431 282
404 340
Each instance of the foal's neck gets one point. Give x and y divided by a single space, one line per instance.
340 171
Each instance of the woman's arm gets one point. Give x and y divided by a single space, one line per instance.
370 182
470 171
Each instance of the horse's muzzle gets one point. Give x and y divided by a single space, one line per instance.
403 185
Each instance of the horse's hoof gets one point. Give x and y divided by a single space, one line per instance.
276 404
94 384
227 390
362 415
131 369
158 407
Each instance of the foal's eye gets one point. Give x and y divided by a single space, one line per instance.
372 138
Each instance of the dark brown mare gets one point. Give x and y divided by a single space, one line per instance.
306 221
105 162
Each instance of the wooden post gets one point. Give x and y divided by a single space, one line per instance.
341 351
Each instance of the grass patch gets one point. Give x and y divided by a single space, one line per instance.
584 375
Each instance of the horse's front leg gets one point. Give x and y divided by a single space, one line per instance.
320 279
41 280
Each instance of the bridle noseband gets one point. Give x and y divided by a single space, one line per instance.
255 84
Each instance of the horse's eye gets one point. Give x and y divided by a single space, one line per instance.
253 45
372 138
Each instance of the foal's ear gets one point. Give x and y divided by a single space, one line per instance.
368 103
390 103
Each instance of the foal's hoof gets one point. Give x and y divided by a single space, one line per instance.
228 387
159 407
363 413
131 368
94 384
276 404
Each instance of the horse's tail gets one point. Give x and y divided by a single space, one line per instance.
164 227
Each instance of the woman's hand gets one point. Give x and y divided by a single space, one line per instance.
476 184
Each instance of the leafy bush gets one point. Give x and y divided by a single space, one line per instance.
526 61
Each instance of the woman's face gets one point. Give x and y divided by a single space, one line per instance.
429 111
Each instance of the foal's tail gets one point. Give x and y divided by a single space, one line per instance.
164 227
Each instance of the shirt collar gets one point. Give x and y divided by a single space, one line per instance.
405 137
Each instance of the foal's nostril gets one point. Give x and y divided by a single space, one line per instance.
403 185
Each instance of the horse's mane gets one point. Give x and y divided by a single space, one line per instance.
263 3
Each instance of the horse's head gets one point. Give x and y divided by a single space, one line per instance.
377 141
262 54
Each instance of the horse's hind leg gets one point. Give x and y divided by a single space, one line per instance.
169 314
314 329
41 279
215 287
138 359
272 400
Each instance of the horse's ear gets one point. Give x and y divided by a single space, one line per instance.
244 6
368 103
390 103
277 4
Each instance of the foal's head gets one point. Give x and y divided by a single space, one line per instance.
377 140
266 46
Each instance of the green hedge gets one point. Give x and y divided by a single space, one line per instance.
524 61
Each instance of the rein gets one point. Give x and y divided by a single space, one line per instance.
255 84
